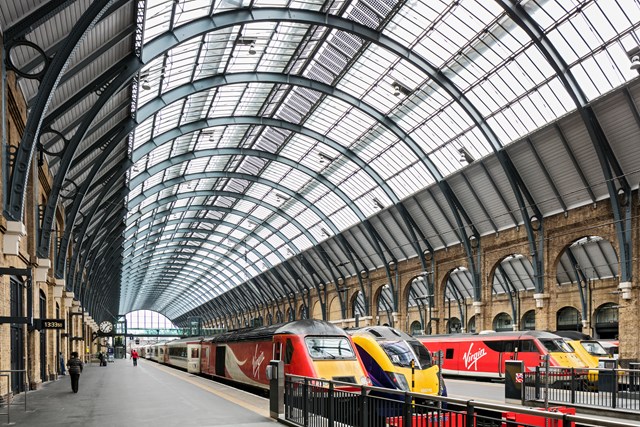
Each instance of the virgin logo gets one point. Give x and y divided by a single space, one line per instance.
471 359
257 362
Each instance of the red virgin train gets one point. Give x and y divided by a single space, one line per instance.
484 354
311 348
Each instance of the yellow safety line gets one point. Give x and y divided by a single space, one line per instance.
253 408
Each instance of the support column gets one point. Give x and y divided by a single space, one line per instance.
628 321
542 312
478 310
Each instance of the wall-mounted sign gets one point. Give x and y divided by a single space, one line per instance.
51 323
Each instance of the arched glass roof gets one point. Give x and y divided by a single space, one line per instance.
265 147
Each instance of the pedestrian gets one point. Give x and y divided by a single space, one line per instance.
134 356
63 370
75 369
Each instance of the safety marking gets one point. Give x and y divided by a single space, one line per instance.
220 393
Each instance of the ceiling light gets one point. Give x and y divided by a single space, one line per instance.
377 204
324 232
396 90
145 85
465 156
252 49
400 90
635 62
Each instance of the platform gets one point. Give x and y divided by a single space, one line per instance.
149 394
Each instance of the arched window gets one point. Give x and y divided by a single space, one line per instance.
454 326
416 328
529 321
606 326
502 322
471 326
569 319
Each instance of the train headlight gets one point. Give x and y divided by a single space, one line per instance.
399 380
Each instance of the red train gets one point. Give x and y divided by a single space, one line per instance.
484 354
311 348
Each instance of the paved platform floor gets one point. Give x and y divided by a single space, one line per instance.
147 395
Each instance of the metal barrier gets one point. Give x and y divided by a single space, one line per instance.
311 402
605 388
8 413
25 382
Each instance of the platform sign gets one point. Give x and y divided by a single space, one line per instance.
51 323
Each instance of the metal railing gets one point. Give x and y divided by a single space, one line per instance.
605 388
25 382
310 402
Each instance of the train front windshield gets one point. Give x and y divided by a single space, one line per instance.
594 348
557 345
329 348
401 353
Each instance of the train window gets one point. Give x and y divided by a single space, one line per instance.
277 349
329 348
556 345
194 353
288 351
510 346
495 345
594 348
424 358
448 354
528 346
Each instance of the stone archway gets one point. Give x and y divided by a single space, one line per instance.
606 321
503 322
568 319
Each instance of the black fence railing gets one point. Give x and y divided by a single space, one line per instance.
310 402
605 388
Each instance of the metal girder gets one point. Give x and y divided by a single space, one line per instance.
21 167
236 151
148 146
609 164
72 213
34 20
218 193
69 153
222 174
580 277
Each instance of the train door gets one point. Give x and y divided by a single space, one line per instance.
221 352
193 358
204 358
528 353
490 357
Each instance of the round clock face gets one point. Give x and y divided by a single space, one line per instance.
106 326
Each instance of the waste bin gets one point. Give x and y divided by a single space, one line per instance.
607 375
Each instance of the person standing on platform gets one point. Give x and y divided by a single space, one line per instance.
63 370
134 356
75 369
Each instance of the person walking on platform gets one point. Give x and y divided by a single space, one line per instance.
75 369
134 356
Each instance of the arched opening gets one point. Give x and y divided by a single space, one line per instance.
458 289
304 312
415 328
269 318
502 323
471 326
290 315
454 326
420 301
568 319
279 317
513 275
606 326
385 306
358 307
529 321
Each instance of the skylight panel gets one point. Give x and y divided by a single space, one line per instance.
358 184
343 218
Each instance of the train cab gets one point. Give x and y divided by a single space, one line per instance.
394 359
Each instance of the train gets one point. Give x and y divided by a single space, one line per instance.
485 354
394 359
311 348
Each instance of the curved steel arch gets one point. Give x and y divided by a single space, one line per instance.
525 21
20 174
155 142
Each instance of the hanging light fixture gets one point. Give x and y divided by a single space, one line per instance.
145 85
252 49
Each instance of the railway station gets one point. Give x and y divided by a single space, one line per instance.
293 191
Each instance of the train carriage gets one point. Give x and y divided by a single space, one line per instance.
484 355
310 348
184 354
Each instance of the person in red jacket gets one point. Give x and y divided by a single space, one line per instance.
134 356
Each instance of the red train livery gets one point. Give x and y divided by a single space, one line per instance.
485 354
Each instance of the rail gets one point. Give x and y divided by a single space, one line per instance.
604 388
311 402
